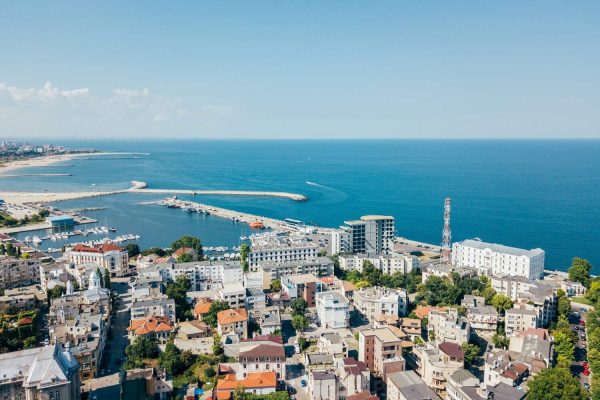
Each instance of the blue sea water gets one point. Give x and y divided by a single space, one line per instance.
524 193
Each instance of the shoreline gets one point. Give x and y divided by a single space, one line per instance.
45 161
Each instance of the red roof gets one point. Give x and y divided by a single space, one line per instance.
452 349
25 321
101 248
261 338
151 324
183 250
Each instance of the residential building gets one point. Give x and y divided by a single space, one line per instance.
254 383
262 354
280 247
353 376
194 329
203 275
341 241
482 318
110 256
322 385
160 306
463 385
157 328
448 326
498 260
232 293
304 286
407 385
520 318
540 294
373 234
443 270
81 272
188 251
233 321
386 263
374 301
269 319
146 383
381 350
436 364
16 272
333 344
49 372
255 298
333 310
500 367
319 266
18 300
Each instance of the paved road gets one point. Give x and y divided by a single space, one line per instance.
120 321
580 346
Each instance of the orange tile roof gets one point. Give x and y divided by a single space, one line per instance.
183 250
423 311
328 280
252 381
231 316
150 324
202 307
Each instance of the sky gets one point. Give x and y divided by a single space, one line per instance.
309 69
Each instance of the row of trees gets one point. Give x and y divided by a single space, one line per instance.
372 276
8 221
191 242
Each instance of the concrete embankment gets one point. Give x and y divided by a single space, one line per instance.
291 196
21 175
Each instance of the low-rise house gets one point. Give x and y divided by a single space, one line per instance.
189 330
501 367
201 308
158 328
448 326
374 301
255 383
482 318
271 270
281 300
186 251
150 383
333 310
436 364
333 344
322 385
262 354
463 385
24 301
319 361
442 270
269 320
233 321
407 385
354 377
146 290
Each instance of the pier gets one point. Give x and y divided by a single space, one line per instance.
286 195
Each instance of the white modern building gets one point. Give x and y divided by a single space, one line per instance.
374 301
498 260
203 275
279 247
386 263
333 310
369 234
448 326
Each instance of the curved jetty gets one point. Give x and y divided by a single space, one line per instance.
291 196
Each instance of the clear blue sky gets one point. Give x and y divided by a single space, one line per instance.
286 69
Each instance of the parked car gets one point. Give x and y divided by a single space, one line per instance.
303 383
586 386
582 323
586 372
585 365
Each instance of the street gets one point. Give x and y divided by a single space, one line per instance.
115 346
579 313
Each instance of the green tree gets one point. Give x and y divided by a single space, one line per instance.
178 291
244 251
371 274
189 241
185 257
154 250
107 284
300 323
501 303
210 373
275 285
593 293
564 306
472 351
169 358
488 293
142 348
362 284
580 271
555 384
217 346
133 250
302 344
500 341
55 292
299 306
29 342
215 307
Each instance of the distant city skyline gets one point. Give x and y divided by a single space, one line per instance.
311 70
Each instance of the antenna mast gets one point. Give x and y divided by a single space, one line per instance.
446 233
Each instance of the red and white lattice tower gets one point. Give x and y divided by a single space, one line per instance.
446 233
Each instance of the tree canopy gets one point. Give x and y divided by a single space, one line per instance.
189 241
555 384
501 303
299 306
211 317
580 271
177 290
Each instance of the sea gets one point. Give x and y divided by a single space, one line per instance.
522 193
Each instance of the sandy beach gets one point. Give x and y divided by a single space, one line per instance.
45 161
